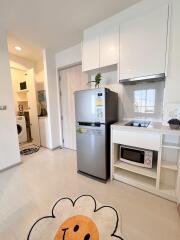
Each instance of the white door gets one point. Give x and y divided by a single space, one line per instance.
143 43
71 80
90 49
32 104
109 45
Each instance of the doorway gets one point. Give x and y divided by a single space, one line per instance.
25 101
70 80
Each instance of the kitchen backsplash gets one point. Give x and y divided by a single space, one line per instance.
141 100
144 100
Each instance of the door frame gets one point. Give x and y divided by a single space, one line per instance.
59 97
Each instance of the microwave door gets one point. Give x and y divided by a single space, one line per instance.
132 155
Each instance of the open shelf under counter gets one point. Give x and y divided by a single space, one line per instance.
148 172
169 165
135 179
163 178
168 191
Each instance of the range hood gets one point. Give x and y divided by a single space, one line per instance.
150 78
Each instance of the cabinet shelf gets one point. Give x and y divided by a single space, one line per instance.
171 146
148 172
135 180
169 165
168 190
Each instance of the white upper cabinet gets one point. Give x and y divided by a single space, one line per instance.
143 44
100 46
109 45
90 49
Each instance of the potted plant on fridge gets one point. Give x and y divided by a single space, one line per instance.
97 80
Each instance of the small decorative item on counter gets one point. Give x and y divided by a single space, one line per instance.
174 123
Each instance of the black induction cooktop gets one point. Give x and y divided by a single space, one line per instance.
138 123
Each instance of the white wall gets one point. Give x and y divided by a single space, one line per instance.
52 96
17 76
26 64
39 76
69 56
9 147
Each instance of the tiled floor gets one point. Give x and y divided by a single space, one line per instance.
28 191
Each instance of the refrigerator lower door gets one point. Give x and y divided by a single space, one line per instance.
91 150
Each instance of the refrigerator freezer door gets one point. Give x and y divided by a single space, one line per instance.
91 150
90 105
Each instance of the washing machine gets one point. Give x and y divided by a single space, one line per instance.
21 129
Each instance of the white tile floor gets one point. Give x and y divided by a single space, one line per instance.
28 191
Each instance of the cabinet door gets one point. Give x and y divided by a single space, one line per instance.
90 50
140 139
143 44
109 46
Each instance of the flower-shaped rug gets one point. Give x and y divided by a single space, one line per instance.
81 219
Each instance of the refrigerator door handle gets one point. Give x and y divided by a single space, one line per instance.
90 124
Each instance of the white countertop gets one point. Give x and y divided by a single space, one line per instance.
153 127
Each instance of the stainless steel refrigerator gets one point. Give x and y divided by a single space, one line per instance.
96 110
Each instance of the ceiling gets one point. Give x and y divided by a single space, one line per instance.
54 24
28 50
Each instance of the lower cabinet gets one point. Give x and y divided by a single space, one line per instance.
164 177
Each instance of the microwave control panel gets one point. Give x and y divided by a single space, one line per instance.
148 158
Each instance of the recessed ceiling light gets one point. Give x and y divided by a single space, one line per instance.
18 48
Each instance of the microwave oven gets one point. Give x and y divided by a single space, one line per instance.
137 156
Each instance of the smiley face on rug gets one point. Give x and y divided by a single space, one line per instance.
81 219
78 227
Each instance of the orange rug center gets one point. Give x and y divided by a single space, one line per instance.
78 228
